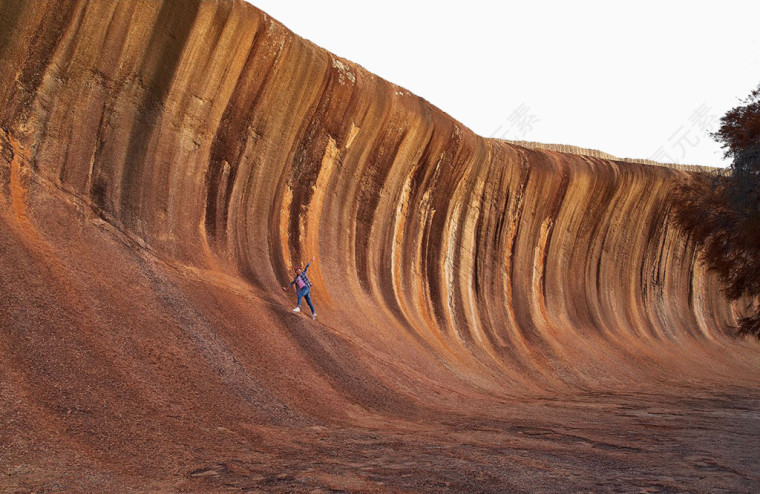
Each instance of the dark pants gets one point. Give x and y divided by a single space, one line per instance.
304 293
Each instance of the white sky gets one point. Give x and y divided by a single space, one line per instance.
645 79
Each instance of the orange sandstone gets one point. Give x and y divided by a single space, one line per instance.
492 316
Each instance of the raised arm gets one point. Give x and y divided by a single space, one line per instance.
308 264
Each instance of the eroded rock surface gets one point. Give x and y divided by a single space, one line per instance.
491 317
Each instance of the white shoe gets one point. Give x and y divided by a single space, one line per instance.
313 316
297 309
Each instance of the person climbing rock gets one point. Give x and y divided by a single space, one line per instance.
303 288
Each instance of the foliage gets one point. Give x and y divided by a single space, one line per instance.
722 212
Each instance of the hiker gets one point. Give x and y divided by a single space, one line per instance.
303 287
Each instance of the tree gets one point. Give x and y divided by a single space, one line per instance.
721 212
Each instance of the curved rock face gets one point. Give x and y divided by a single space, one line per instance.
221 150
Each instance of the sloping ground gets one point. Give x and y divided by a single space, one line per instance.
491 317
